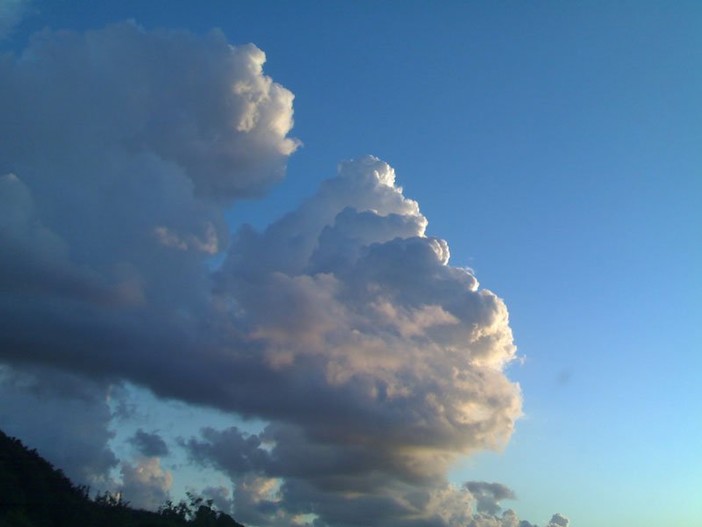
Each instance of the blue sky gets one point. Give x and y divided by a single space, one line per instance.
556 147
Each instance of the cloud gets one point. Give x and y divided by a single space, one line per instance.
120 148
11 14
149 445
229 449
558 520
375 363
221 498
145 485
489 495
66 418
382 326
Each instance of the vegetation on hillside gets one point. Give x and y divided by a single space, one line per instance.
35 494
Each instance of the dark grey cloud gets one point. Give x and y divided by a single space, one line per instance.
230 450
489 495
149 444
118 150
279 475
66 418
558 520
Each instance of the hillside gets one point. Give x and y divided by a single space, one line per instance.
35 494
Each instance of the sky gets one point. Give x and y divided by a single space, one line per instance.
358 263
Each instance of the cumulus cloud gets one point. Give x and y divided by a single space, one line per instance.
558 520
343 325
382 325
489 495
377 362
119 149
145 484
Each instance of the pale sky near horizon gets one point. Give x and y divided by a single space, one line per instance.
556 147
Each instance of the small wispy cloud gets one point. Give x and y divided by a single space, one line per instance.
11 14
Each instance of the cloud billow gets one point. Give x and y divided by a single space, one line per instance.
149 444
379 362
119 150
375 363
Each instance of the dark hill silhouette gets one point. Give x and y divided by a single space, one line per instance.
35 494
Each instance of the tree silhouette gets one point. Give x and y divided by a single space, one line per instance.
35 494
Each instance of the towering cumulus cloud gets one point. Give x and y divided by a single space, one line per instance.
374 363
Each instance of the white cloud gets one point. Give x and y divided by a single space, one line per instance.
385 362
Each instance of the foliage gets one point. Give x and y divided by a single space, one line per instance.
35 494
197 512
